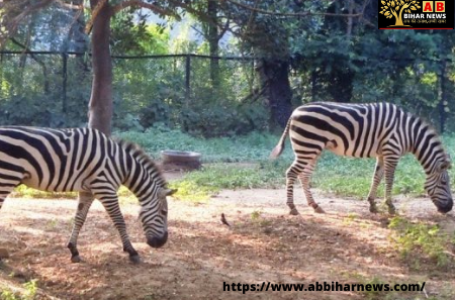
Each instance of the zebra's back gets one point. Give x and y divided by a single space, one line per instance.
50 159
356 130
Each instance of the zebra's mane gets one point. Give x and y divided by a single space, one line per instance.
431 129
137 152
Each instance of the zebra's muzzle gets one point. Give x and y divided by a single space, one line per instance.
157 242
445 208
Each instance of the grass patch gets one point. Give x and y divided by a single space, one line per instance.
28 293
352 176
338 175
255 146
23 191
189 190
421 241
201 184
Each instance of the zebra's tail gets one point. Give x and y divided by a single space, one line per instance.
280 146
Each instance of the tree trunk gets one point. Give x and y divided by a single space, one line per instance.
213 39
78 39
274 76
101 104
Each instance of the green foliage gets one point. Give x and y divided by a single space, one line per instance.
143 100
215 121
31 92
417 239
137 38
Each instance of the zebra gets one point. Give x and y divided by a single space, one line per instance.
381 130
87 161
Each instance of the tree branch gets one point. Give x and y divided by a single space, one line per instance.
250 19
70 5
223 30
95 12
199 31
282 14
27 11
138 3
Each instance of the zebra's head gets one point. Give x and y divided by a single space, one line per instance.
154 218
437 186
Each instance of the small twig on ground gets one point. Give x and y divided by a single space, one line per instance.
224 221
425 293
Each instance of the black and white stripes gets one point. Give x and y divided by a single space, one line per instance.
87 161
380 130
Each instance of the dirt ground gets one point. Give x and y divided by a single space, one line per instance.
263 244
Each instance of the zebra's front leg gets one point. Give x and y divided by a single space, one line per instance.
305 178
377 177
390 164
85 201
111 204
6 187
291 175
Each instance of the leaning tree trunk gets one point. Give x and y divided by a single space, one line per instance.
274 76
78 38
340 85
101 104
213 39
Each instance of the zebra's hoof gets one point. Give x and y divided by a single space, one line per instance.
294 212
135 259
318 210
76 259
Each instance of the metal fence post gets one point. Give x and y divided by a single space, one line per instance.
187 80
64 81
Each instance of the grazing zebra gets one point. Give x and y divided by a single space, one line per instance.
87 161
380 130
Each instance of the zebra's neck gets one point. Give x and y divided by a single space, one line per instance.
425 144
142 176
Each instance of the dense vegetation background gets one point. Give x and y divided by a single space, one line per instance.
258 66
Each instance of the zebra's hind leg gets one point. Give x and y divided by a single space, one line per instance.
377 177
305 177
390 164
7 186
85 201
291 175
109 200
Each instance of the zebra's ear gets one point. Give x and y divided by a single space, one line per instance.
445 165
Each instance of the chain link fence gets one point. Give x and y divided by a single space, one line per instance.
203 95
